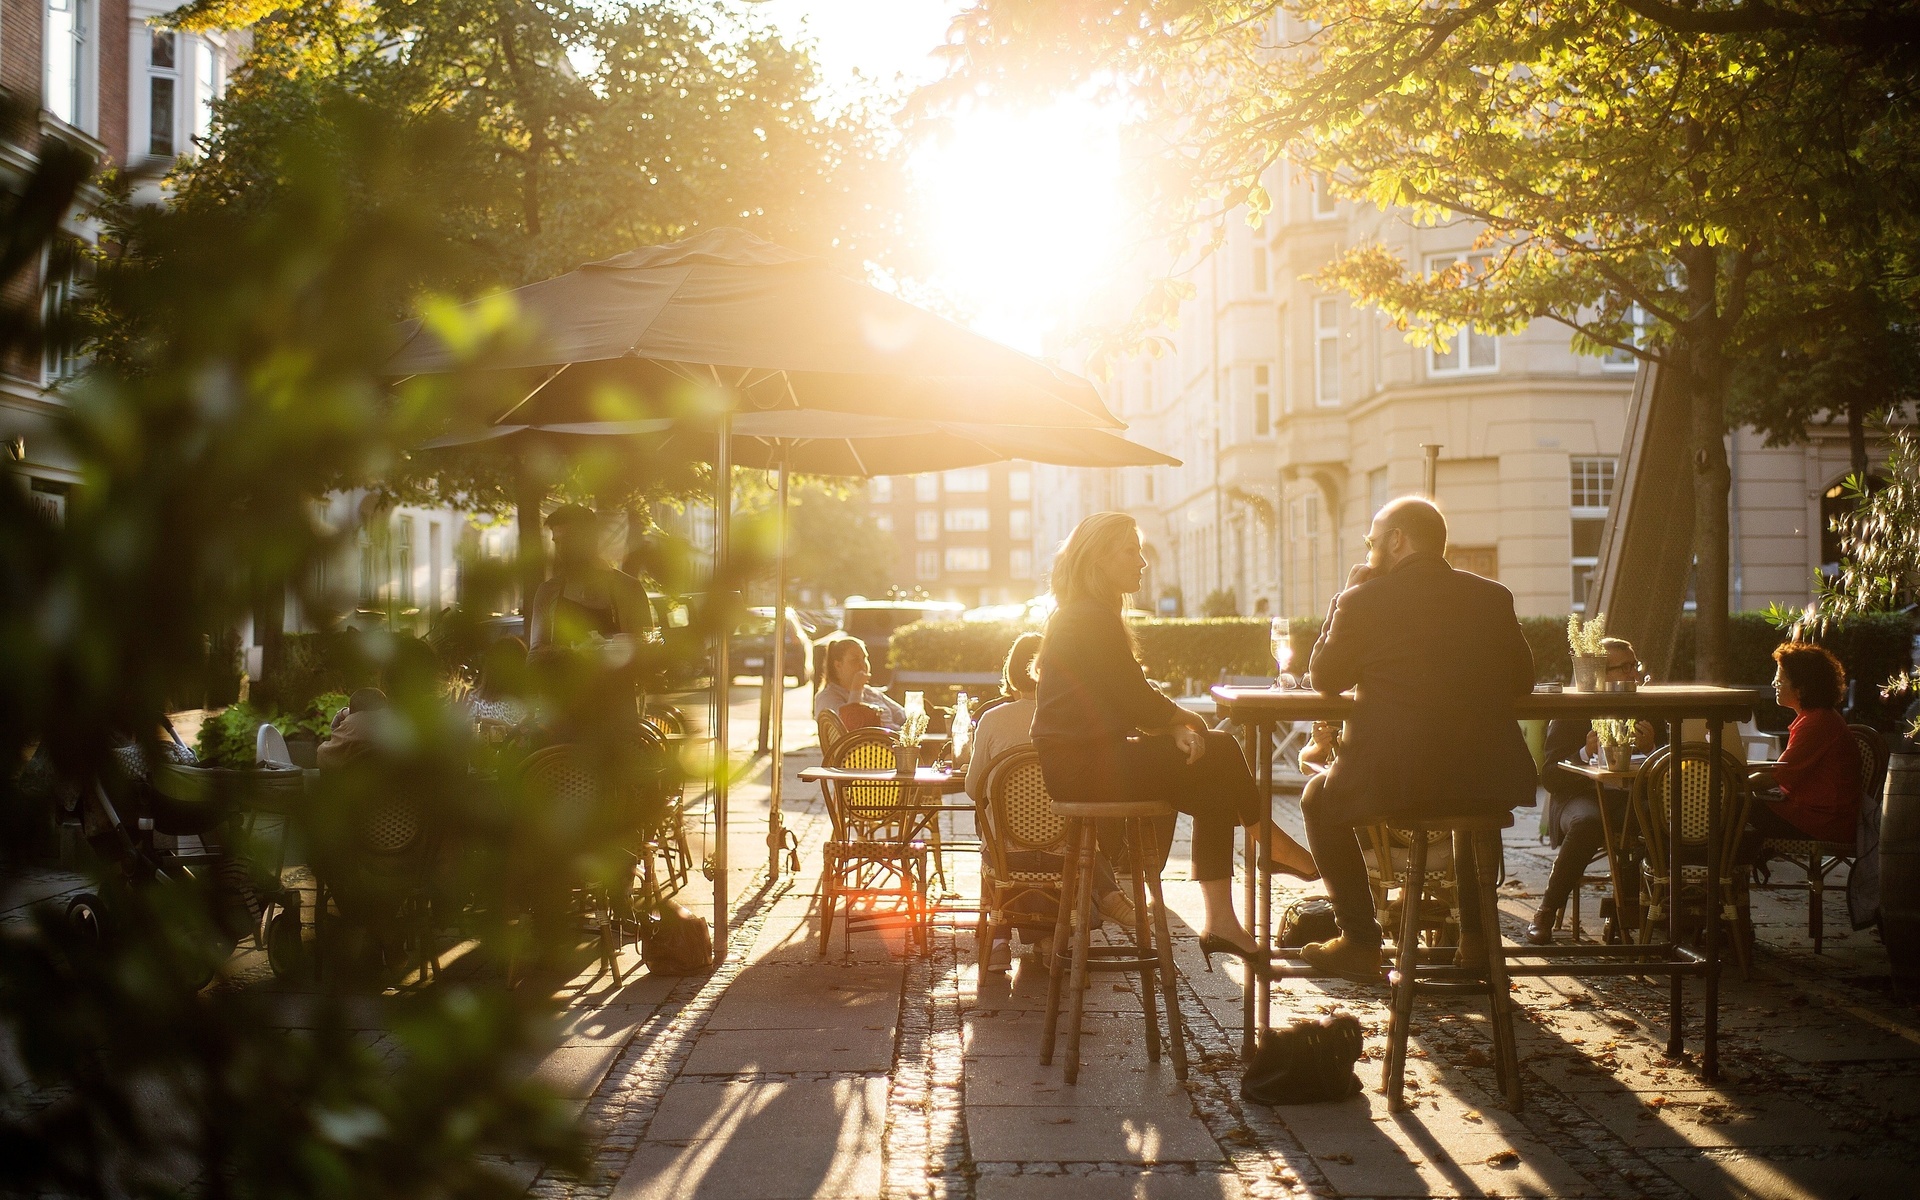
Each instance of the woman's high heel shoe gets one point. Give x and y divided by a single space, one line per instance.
1275 867
1256 960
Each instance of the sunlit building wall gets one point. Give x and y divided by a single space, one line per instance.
965 535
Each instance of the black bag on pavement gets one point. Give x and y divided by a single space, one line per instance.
677 942
1307 921
1309 1063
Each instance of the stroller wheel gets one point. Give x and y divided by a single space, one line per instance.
85 915
286 954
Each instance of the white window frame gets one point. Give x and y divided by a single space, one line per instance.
967 520
1020 485
959 560
967 481
1467 341
206 88
926 565
926 488
83 43
169 74
1578 565
926 525
880 489
1020 524
1326 352
1325 206
1616 359
1260 410
883 522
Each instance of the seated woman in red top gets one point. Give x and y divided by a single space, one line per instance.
1814 790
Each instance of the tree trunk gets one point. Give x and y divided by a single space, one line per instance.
1857 433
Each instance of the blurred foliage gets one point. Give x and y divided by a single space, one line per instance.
227 738
1220 602
237 380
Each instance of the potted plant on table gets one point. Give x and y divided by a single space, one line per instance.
1616 743
906 743
1589 656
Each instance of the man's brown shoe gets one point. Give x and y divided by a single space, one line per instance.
1344 958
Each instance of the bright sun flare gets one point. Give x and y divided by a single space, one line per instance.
1025 213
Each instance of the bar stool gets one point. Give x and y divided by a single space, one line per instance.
1480 837
1150 950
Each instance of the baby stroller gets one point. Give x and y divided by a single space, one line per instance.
164 817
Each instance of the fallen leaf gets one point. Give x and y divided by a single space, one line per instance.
1505 1158
1474 1116
1338 1158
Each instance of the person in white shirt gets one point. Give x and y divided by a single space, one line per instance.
846 671
1007 727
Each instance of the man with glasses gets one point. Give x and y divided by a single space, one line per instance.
1437 661
1573 810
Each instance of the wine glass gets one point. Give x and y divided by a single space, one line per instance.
1280 640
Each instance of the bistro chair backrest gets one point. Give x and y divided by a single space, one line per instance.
831 731
1653 795
563 785
391 827
1020 815
866 804
1873 760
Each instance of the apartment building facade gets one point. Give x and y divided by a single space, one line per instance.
965 535
1298 414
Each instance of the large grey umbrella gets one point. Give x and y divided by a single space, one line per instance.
826 444
728 323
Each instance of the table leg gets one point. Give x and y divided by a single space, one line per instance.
1676 983
1610 840
1249 987
1710 1017
1263 739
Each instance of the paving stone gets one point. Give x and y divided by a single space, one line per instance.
846 1112
1139 1184
575 1071
1020 1133
1103 1083
1708 1118
1822 1178
820 996
745 1168
853 1050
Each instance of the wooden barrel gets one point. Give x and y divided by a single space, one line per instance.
1900 867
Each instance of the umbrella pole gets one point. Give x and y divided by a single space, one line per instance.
723 677
776 836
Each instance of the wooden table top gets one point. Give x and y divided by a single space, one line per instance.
1602 772
946 782
1651 700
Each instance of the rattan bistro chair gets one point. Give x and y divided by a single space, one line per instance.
1820 859
1389 854
877 849
831 731
1023 851
1713 882
563 782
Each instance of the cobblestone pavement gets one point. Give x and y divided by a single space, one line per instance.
878 1072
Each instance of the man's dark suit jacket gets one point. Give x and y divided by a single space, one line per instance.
1438 661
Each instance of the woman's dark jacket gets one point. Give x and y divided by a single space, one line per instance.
1091 688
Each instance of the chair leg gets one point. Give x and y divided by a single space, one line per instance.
1069 879
1486 849
1082 943
1163 950
1143 939
1574 902
1816 900
830 866
1394 1070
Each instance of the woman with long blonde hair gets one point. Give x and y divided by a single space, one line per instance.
1104 734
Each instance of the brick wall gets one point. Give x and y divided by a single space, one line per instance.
115 31
20 22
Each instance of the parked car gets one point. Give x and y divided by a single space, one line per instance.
873 622
752 645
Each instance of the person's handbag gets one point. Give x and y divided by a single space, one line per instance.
1311 1062
1309 920
677 942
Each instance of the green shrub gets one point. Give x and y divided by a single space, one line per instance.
953 645
227 737
1177 650
315 664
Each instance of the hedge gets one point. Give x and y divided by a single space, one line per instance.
1874 649
227 737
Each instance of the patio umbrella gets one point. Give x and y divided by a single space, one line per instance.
827 444
769 330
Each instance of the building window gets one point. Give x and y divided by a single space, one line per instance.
1262 401
1469 351
206 89
1326 351
1590 488
1260 272
1020 485
435 601
1325 204
1377 495
403 560
926 525
369 571
926 488
1617 359
880 490
962 559
969 481
883 522
68 31
968 520
60 360
1020 524
1020 563
926 565
163 83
